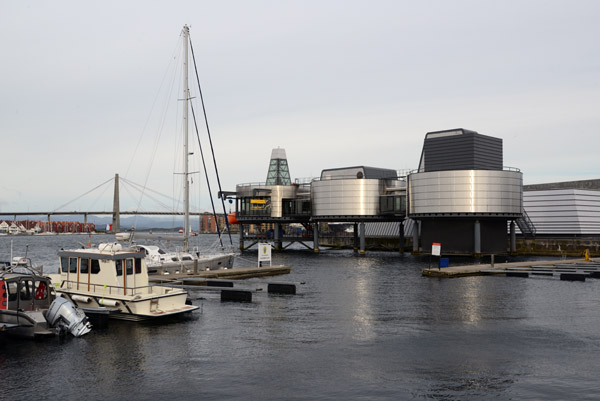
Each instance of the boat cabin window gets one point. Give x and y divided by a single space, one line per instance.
129 266
12 287
119 267
187 258
84 265
64 264
95 266
160 251
138 265
26 289
72 265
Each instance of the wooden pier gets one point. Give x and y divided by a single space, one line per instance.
237 273
523 269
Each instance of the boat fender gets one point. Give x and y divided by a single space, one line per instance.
108 302
81 298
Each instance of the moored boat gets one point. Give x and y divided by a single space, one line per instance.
29 306
185 260
116 278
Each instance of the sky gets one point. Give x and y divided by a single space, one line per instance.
335 83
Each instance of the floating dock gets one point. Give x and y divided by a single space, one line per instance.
560 268
237 273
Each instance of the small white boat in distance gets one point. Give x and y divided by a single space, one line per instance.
116 278
161 262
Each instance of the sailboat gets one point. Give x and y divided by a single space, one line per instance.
184 261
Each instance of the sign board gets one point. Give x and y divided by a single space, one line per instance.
258 201
264 252
436 249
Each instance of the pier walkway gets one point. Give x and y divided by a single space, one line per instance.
537 267
237 273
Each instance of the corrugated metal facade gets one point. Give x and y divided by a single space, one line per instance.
388 229
460 149
564 211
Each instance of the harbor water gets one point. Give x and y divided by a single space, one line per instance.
361 327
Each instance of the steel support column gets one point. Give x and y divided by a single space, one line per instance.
477 238
401 236
513 237
116 220
276 238
416 235
363 241
241 237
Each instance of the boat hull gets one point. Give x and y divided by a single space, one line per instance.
28 324
153 307
203 263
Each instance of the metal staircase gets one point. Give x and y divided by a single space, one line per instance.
526 225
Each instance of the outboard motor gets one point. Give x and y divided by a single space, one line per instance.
64 315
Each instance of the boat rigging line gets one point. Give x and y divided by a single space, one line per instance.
207 180
211 145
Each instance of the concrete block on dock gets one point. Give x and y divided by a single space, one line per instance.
516 274
572 277
236 296
219 283
281 288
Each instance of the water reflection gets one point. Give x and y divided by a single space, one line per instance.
362 306
361 328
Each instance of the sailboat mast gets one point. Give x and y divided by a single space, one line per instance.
186 97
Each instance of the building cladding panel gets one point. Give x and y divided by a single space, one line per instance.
358 172
465 191
564 211
346 197
460 150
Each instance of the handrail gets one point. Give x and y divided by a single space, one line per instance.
504 168
118 289
353 176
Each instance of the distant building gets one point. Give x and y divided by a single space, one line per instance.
570 208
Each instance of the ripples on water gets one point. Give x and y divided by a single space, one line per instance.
361 328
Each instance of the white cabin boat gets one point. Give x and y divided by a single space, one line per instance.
116 278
